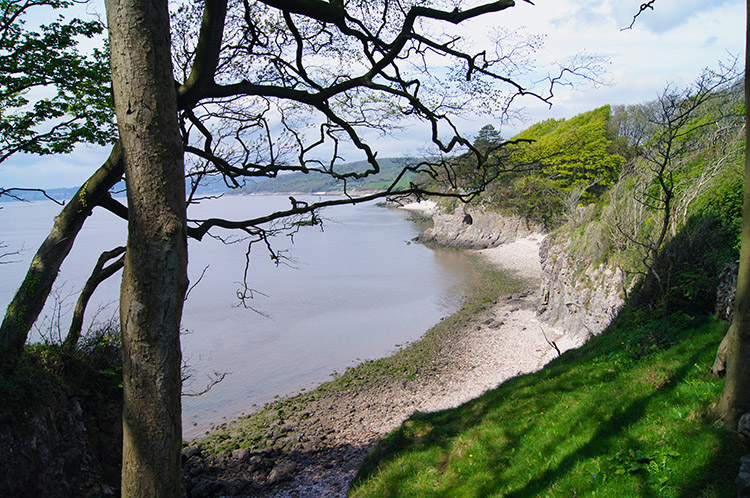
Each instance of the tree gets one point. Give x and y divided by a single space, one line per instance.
735 397
735 348
265 88
574 153
154 278
75 103
52 97
668 136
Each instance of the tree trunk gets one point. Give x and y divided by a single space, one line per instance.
29 300
735 399
154 278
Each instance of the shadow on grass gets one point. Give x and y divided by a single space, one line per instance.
610 437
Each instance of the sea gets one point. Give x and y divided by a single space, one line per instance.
355 288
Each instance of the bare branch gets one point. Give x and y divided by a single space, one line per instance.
644 6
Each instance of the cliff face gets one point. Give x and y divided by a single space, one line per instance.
578 298
69 445
476 229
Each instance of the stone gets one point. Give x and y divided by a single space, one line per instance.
743 479
193 451
743 428
241 454
283 471
725 291
205 487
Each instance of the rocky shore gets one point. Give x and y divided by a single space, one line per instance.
311 445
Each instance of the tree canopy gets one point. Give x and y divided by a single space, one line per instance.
52 95
573 153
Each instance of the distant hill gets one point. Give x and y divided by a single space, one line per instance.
314 182
292 183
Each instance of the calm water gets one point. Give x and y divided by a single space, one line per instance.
351 292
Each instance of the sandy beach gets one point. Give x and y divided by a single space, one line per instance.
501 341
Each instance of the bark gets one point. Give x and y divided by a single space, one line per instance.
98 275
31 296
154 278
735 398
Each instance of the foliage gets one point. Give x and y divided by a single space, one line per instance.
572 154
689 267
724 201
52 96
552 434
535 197
553 167
28 381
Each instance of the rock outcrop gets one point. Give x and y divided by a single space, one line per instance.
577 297
476 229
68 445
726 290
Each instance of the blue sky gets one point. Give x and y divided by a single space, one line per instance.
669 45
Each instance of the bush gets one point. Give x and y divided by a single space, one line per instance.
689 268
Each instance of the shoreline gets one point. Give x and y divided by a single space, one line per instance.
311 444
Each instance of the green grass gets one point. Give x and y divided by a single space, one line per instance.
627 415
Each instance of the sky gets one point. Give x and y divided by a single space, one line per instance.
669 45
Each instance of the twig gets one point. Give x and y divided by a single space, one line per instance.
644 6
551 343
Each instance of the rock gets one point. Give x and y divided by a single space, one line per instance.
485 229
205 487
743 428
283 471
241 454
188 453
725 291
743 478
577 296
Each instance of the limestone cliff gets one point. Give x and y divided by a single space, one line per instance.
576 297
476 229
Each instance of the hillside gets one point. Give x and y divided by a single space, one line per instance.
625 415
314 182
643 214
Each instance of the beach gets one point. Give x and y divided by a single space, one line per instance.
319 439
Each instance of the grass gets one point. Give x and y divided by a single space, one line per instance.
627 415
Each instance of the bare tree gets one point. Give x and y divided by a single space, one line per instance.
264 88
676 128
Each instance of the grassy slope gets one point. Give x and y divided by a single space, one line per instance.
626 415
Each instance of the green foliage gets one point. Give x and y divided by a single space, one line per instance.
689 268
626 415
537 198
28 382
488 139
556 165
52 96
724 201
573 154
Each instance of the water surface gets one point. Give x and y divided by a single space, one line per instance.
352 291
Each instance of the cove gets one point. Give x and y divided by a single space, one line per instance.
355 289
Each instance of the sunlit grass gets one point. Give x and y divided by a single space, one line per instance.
628 415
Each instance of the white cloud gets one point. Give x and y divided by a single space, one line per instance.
669 45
